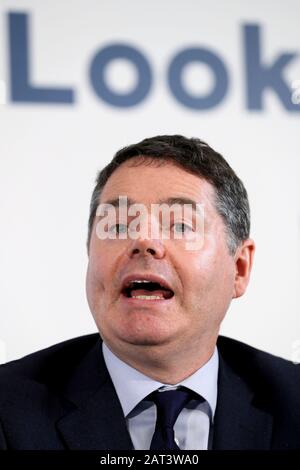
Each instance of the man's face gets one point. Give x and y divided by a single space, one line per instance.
202 281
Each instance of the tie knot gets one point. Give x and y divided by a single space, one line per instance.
169 404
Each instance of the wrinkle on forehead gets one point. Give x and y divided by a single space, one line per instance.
136 179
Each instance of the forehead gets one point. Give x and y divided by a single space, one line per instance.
150 181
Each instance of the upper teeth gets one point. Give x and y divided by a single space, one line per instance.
140 280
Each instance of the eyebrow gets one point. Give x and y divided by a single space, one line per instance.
116 202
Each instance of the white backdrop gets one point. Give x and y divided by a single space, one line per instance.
50 153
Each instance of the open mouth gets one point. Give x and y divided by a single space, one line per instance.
144 289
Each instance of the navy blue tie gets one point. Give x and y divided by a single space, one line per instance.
169 404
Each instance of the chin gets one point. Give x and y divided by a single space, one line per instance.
139 330
144 338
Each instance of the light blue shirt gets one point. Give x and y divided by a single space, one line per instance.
193 424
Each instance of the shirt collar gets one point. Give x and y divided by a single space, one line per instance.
132 386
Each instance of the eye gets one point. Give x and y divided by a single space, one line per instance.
181 227
118 228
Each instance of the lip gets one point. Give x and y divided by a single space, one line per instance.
129 301
148 277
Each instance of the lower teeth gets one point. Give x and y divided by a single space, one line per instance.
147 297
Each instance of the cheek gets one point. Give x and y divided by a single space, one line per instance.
197 271
100 259
206 279
96 279
103 261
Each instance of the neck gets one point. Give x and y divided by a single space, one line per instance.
164 364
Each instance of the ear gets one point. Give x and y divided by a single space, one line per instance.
243 264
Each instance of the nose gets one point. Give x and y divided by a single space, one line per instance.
147 247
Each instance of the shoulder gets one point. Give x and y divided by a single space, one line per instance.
48 366
234 349
39 389
259 368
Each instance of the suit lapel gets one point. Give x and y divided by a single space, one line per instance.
241 420
97 422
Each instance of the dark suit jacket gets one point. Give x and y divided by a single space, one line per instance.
63 398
